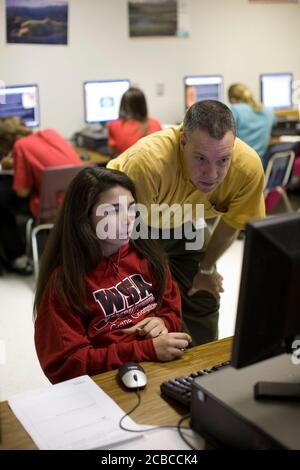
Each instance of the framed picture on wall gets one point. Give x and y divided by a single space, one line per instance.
158 18
37 21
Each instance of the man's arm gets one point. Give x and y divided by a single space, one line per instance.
220 241
23 181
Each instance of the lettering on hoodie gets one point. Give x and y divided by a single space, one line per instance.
131 296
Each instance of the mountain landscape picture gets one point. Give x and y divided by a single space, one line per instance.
152 17
37 21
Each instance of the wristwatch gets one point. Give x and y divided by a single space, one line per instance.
208 272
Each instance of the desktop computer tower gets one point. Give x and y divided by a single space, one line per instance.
224 411
92 138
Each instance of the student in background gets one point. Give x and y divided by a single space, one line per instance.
191 95
28 154
12 244
103 299
254 122
31 155
133 122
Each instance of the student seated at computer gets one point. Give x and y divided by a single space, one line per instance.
102 298
254 122
133 122
29 154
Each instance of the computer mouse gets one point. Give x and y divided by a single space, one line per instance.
85 157
132 375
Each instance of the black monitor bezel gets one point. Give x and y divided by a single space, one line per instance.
278 342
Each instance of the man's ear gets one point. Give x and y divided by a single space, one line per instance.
183 139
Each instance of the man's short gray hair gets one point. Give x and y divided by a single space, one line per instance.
211 116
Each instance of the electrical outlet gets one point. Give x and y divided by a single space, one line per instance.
160 89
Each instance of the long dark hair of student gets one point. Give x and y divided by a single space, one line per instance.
73 245
133 105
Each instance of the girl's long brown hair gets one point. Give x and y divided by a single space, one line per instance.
74 248
133 105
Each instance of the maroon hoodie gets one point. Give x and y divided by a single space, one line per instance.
120 293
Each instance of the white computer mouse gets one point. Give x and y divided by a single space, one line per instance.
132 375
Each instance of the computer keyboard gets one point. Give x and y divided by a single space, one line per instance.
180 388
280 132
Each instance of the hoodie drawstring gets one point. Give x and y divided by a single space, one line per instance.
116 269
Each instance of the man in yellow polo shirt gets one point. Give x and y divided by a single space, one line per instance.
200 162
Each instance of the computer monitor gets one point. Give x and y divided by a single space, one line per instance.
21 101
204 87
276 90
268 315
102 99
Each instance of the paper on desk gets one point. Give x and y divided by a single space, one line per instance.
76 414
163 439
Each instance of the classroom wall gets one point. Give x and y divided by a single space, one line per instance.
232 37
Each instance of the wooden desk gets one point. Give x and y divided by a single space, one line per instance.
153 409
95 157
292 113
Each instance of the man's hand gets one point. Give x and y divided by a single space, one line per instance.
149 327
210 282
7 162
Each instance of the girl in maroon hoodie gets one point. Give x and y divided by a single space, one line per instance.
103 299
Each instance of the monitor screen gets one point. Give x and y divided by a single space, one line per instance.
276 90
102 99
21 101
206 87
268 312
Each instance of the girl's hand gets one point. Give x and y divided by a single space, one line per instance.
171 345
149 327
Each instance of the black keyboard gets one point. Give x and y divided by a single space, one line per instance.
180 389
280 132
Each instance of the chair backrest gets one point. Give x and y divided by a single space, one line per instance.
280 147
279 169
55 181
278 164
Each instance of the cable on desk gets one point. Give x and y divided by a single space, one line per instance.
178 426
129 413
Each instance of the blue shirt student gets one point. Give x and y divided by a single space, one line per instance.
253 127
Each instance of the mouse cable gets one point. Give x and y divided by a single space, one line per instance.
178 426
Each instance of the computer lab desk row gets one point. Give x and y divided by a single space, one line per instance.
153 408
87 156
